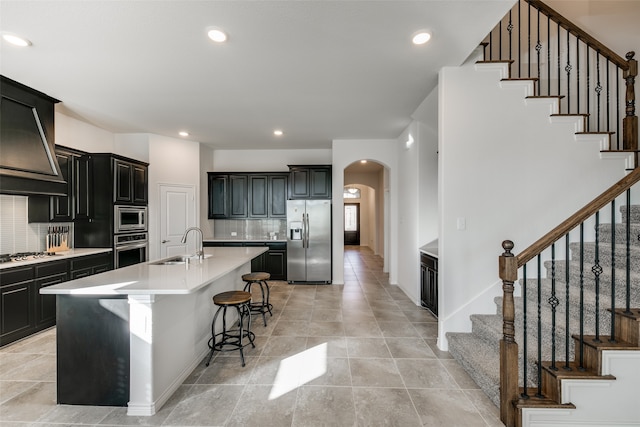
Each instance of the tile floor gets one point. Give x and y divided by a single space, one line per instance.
358 354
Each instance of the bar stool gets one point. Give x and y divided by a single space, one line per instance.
232 339
263 306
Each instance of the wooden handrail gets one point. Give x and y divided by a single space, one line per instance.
584 36
580 216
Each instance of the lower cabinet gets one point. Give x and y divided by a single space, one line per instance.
23 310
429 282
273 262
89 265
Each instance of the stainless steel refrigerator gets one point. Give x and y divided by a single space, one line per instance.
309 241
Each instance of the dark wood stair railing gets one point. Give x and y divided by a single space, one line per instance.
626 320
566 62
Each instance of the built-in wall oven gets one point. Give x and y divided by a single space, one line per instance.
129 219
129 249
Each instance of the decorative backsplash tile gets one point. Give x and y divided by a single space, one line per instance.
250 229
16 233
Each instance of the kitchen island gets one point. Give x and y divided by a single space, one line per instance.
131 336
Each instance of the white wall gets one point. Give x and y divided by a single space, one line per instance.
206 164
267 160
171 161
77 134
345 152
427 116
408 213
510 174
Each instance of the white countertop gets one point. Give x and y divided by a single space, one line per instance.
430 248
150 279
72 253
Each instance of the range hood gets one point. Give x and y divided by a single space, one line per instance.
28 164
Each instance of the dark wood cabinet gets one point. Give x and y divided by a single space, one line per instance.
48 274
89 265
429 282
258 196
78 203
277 197
310 182
274 261
130 183
17 314
238 196
250 195
23 310
217 192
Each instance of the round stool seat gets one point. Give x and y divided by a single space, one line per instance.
232 338
256 277
232 298
264 306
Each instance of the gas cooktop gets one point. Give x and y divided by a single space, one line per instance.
24 256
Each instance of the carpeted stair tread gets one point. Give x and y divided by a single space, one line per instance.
479 359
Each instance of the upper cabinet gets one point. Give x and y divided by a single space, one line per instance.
77 205
130 182
310 182
247 195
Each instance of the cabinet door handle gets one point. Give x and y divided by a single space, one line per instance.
164 241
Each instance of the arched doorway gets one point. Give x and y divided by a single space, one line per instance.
363 197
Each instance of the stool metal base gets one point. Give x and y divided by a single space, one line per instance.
263 306
231 339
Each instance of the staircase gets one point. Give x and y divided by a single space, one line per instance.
479 351
563 347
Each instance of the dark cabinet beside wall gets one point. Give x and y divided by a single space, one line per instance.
23 310
77 205
247 195
274 261
309 182
429 282
130 182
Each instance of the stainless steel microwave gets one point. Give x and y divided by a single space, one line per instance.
129 218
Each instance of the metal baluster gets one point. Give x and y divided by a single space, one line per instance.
567 332
538 49
548 56
578 74
581 358
567 68
539 368
598 89
613 271
510 30
529 41
588 90
525 394
597 271
628 290
608 94
553 302
558 37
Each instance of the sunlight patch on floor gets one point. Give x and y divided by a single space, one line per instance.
299 369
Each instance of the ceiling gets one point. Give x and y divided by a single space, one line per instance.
318 70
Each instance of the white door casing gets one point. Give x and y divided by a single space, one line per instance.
177 213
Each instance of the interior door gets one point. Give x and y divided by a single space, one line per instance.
352 224
177 213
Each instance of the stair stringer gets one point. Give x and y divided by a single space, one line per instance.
602 403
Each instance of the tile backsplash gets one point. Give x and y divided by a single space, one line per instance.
16 233
249 229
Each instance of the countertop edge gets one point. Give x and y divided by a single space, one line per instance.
72 253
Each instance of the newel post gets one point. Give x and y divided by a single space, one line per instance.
508 270
630 122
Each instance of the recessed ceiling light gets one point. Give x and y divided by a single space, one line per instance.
278 132
183 133
421 37
216 34
16 40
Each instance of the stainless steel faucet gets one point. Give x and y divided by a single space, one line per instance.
200 251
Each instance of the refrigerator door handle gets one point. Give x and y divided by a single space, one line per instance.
306 231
